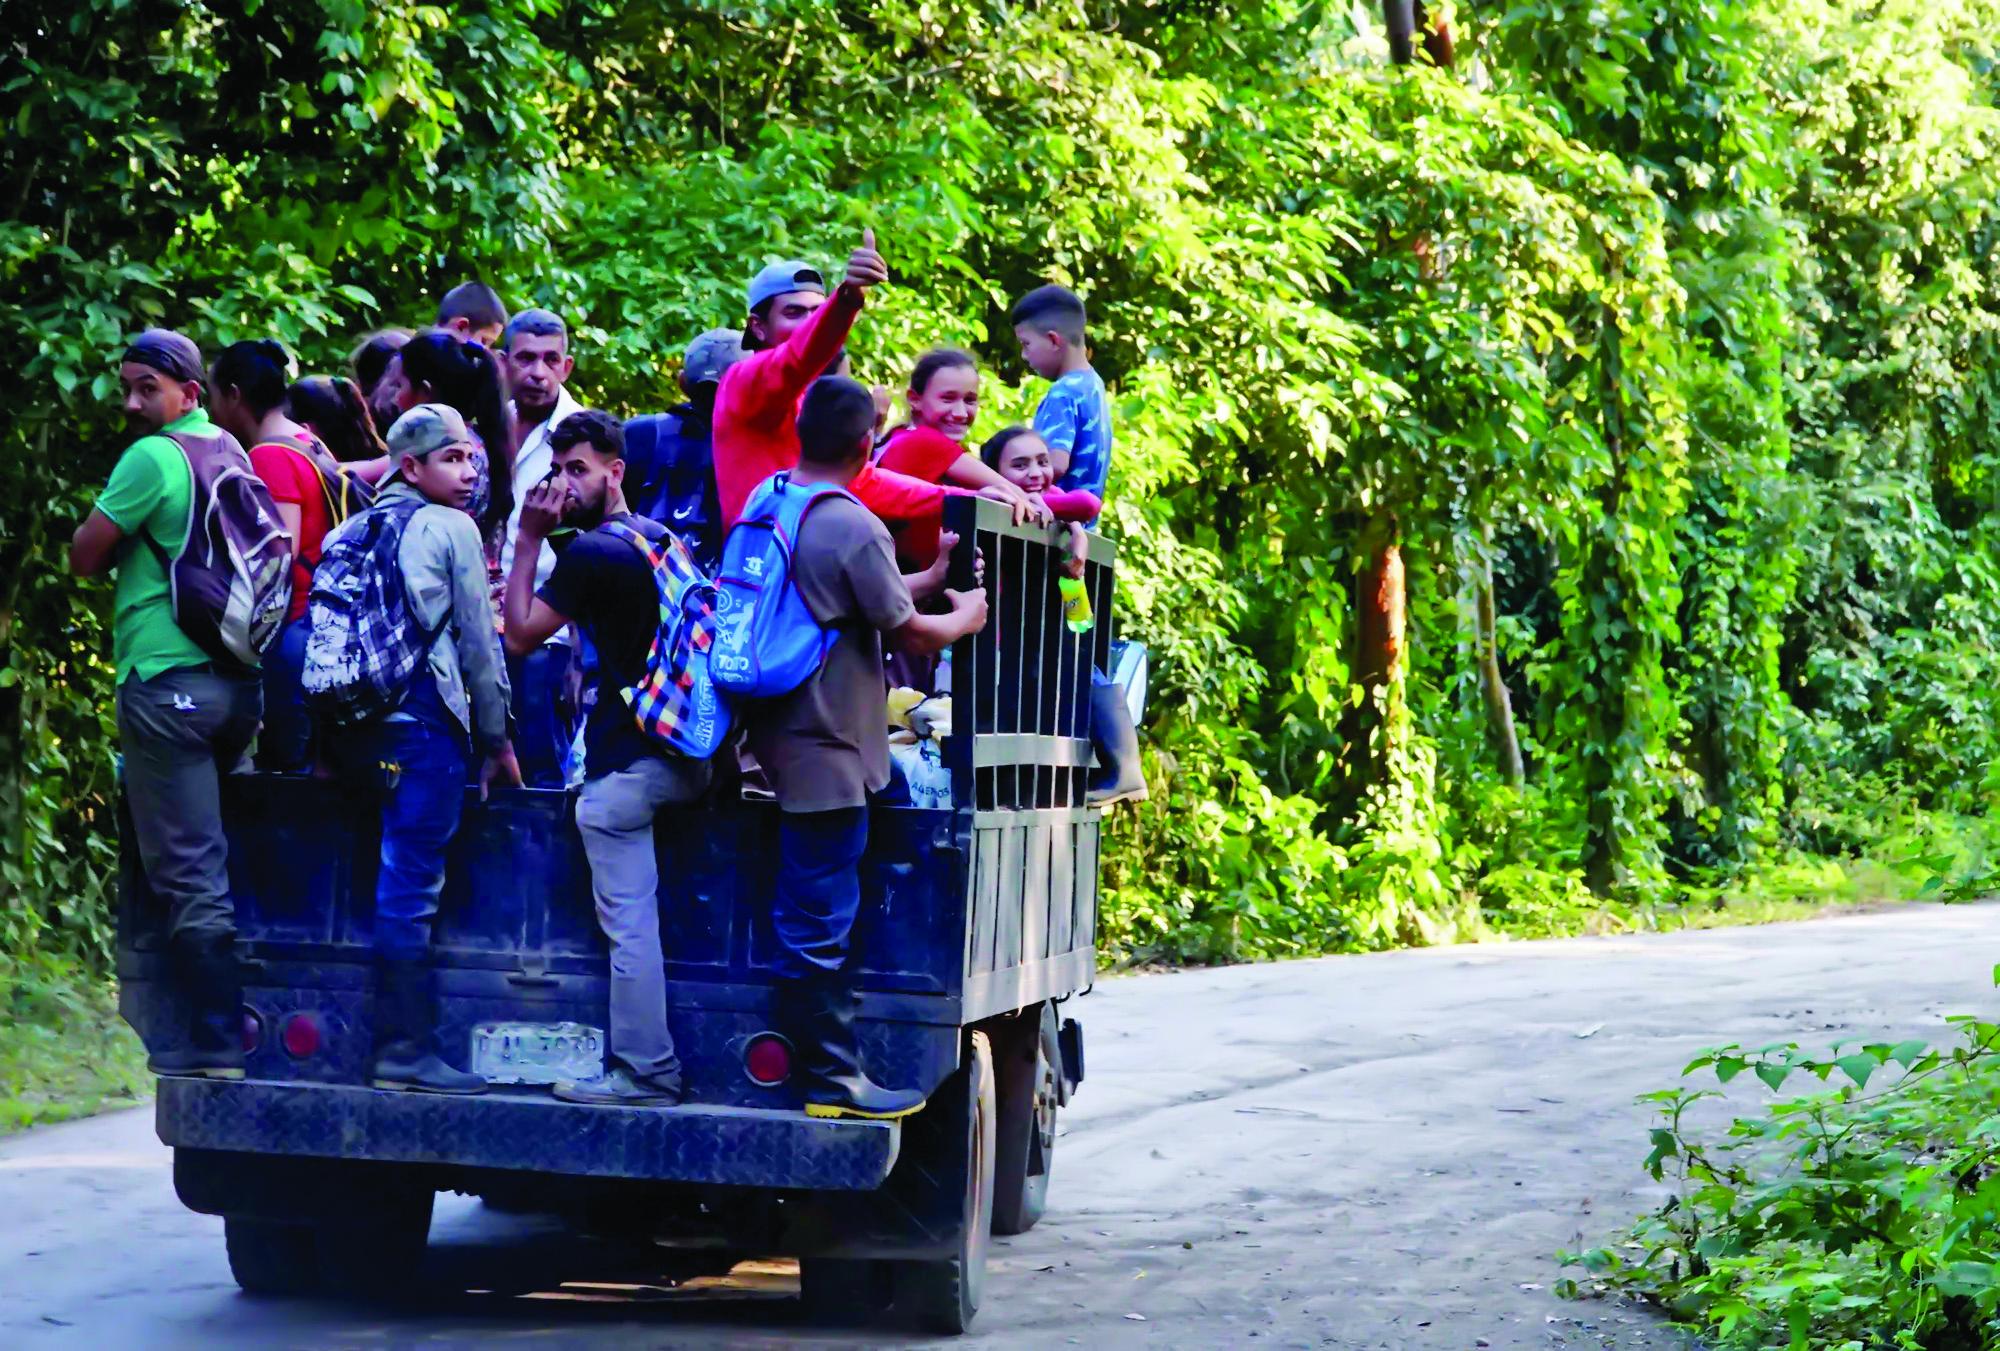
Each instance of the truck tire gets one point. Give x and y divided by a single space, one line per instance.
269 1258
943 1296
374 1248
1025 1139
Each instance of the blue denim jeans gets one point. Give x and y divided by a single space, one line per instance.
819 888
417 771
283 743
544 712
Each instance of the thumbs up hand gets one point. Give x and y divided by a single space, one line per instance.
865 266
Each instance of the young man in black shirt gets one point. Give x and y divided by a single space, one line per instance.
604 585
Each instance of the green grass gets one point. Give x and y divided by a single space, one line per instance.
63 1050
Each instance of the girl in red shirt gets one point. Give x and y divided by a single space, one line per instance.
248 401
944 399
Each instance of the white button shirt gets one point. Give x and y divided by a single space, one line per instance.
531 466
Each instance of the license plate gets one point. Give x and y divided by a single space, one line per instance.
536 1053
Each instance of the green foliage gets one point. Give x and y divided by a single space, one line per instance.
1863 1214
1664 328
63 1051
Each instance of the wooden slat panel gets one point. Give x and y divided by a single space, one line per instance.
1036 899
986 849
1062 887
1013 877
1084 933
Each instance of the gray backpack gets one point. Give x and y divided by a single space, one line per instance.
231 582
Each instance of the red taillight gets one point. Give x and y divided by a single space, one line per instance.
253 1030
768 1058
301 1035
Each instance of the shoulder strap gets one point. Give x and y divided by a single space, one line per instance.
180 440
400 514
654 554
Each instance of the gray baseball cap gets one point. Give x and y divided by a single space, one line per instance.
710 355
781 279
425 428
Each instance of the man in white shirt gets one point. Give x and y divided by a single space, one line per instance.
535 356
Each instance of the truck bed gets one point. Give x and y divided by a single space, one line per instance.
965 915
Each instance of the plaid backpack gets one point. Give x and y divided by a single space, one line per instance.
365 646
676 701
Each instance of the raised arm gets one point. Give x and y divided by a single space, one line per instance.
530 620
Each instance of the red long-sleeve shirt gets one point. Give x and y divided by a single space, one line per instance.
756 418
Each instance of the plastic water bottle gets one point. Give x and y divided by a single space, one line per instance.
1076 604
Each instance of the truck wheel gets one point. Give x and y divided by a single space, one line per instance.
269 1258
375 1249
943 1296
843 1291
1025 1078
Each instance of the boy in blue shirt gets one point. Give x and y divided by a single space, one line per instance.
1074 419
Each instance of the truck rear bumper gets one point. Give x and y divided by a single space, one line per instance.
529 1132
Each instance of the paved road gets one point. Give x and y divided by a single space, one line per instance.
1357 1152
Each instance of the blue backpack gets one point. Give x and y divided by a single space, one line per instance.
767 642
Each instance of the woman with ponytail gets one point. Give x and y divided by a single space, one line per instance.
248 400
437 368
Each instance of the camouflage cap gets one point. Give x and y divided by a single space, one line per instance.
425 428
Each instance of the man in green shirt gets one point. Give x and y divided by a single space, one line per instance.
183 720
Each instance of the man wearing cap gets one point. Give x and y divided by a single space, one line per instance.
182 721
670 456
794 335
414 760
536 359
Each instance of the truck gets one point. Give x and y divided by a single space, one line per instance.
978 924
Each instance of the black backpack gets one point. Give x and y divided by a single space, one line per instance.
670 478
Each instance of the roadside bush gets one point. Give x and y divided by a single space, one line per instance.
1858 1216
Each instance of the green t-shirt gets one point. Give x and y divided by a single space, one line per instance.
151 492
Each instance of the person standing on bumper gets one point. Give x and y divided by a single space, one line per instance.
414 759
183 720
604 585
825 746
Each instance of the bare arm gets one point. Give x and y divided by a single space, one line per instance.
92 546
922 635
923 585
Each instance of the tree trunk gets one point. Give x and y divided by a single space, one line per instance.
1379 610
1499 704
1603 847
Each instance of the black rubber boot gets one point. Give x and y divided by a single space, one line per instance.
818 1015
1119 776
405 1016
205 966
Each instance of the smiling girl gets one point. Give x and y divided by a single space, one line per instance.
944 399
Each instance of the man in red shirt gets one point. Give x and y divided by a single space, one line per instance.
795 334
